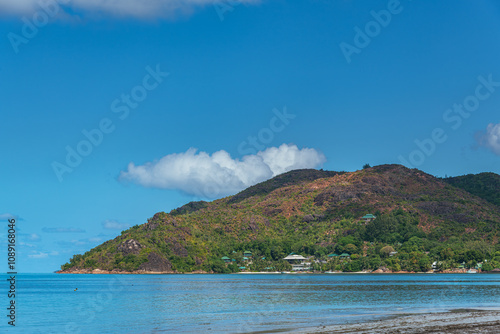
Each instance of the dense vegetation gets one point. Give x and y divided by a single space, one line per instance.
420 220
280 181
188 208
484 185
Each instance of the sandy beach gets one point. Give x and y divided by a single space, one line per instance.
457 321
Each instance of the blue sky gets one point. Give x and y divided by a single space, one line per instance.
199 99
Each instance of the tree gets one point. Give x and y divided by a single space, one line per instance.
233 267
447 254
365 166
218 267
351 249
385 251
412 245
353 266
383 228
374 263
487 267
424 263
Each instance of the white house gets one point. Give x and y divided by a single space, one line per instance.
298 262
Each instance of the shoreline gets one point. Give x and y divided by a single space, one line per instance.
457 321
143 272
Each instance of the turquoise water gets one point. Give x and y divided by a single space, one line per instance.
47 303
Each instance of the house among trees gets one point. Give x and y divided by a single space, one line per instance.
298 262
368 218
225 259
344 256
247 254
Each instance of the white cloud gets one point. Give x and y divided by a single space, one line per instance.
216 175
42 255
490 138
122 8
114 225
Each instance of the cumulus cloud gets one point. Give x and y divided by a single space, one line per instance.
62 230
114 225
490 138
123 8
216 175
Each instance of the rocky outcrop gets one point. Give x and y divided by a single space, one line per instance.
130 246
156 263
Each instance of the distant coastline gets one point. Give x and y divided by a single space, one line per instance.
143 272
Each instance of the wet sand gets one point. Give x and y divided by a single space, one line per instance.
457 321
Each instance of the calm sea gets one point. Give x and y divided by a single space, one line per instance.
48 303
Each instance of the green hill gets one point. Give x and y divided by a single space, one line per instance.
484 185
314 213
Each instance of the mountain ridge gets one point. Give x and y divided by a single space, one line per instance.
314 213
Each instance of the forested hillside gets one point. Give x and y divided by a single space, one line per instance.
484 185
318 214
